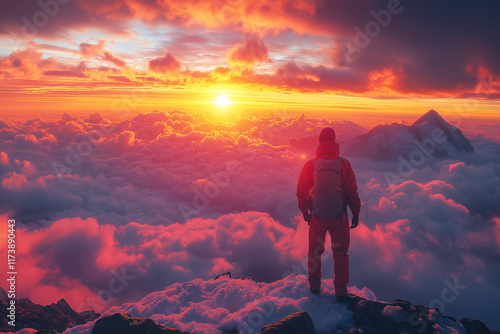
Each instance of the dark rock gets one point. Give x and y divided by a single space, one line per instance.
403 317
474 326
89 315
57 316
51 331
297 323
125 324
369 317
227 273
3 296
367 313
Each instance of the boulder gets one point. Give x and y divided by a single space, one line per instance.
296 323
474 326
125 324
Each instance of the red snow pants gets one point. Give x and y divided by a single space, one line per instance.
338 228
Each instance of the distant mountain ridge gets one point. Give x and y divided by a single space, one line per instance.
430 135
57 316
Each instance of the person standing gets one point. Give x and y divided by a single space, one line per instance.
326 186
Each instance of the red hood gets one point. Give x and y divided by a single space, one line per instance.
327 150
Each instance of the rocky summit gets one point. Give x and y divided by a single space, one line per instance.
368 317
54 317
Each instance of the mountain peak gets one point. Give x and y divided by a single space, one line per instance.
432 116
64 306
56 316
388 142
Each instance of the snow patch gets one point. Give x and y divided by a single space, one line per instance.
227 304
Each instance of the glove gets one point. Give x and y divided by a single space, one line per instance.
307 216
355 221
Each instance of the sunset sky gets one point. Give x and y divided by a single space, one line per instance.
341 58
117 117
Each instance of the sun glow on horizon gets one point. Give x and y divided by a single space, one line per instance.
222 101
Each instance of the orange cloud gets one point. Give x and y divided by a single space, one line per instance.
30 64
252 51
27 62
251 16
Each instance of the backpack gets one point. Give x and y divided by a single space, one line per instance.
327 194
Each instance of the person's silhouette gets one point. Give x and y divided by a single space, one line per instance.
326 186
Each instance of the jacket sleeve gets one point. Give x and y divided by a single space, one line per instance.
305 185
350 187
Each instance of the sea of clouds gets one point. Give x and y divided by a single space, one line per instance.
109 212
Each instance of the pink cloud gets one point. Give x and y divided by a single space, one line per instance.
14 181
47 257
220 265
28 168
99 51
164 64
200 247
4 158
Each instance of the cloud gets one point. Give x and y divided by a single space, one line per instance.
52 275
75 72
152 255
98 50
312 78
28 62
4 158
392 60
14 181
373 76
252 52
53 20
31 66
164 64
171 196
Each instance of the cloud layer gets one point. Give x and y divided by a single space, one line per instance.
111 211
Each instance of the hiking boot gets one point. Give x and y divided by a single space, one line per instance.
314 291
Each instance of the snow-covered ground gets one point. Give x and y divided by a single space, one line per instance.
226 304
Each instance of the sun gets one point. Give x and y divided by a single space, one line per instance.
222 101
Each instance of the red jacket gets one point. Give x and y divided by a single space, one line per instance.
328 150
